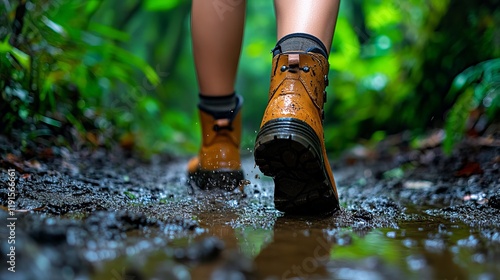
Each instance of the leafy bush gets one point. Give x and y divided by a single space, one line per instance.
60 72
477 88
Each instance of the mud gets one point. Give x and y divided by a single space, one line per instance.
105 215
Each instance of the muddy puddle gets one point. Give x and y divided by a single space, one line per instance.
109 218
312 248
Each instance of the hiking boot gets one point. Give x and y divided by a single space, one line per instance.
290 144
218 163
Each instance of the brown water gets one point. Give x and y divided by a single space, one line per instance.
372 237
296 248
313 248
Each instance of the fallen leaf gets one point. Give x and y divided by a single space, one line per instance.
92 138
470 168
35 164
12 161
46 153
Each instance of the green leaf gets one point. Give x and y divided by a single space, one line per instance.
92 5
21 57
48 120
54 26
76 123
130 58
5 46
161 5
455 122
474 85
130 195
109 32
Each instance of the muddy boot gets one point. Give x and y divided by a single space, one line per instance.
218 163
290 144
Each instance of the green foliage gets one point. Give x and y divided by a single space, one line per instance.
478 86
391 64
108 70
58 69
159 117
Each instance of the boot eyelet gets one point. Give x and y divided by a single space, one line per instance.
326 81
305 69
283 68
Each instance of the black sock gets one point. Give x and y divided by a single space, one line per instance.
218 106
300 42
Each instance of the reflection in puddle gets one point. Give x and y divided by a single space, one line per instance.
312 248
371 238
302 248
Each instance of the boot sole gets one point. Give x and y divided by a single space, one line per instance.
289 150
227 180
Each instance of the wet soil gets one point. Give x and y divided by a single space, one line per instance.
100 214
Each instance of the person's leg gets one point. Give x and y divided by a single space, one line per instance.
217 35
290 144
316 17
217 31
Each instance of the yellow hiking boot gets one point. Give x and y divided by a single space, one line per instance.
218 163
290 145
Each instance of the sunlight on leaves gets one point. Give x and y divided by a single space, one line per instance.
54 26
382 15
346 45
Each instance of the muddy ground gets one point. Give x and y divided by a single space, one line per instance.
415 214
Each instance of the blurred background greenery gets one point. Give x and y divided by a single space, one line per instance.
104 73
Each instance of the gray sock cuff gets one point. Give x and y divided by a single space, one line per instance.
300 42
220 106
